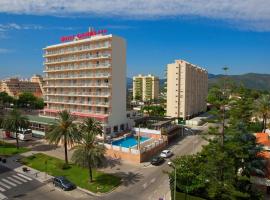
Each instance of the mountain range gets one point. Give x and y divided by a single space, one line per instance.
249 80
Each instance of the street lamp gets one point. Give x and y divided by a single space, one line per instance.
173 166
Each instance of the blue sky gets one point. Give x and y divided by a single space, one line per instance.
156 34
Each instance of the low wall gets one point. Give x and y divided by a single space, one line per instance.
134 155
148 154
134 158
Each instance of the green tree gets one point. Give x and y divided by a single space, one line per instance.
263 109
15 122
64 131
89 153
26 100
5 99
39 103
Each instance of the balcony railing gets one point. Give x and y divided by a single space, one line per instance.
84 67
75 50
79 94
104 75
76 58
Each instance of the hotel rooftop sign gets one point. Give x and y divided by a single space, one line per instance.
82 35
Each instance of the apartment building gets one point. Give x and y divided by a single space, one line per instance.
187 87
88 77
145 87
14 87
38 79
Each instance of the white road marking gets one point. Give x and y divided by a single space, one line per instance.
8 182
29 179
14 180
19 178
4 185
2 189
145 186
3 197
153 180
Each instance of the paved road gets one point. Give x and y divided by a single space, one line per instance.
146 183
151 183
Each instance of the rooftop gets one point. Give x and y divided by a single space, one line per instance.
41 120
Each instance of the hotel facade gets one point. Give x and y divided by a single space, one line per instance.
88 78
145 87
187 87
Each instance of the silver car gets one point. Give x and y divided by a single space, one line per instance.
166 153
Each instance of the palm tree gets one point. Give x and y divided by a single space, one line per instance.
89 153
15 122
64 131
262 107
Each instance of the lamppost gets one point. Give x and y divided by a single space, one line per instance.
173 166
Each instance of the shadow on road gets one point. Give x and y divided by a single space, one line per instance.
111 163
44 147
129 178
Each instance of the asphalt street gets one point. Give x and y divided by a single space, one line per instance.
146 183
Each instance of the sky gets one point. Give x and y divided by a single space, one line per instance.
209 33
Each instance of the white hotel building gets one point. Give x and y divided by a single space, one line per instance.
88 78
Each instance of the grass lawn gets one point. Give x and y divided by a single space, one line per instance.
102 182
180 196
7 149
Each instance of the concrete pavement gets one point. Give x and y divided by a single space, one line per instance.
141 181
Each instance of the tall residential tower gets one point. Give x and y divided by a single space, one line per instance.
187 87
87 76
145 87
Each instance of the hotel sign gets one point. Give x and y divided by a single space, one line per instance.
82 35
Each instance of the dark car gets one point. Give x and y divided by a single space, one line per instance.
157 160
63 183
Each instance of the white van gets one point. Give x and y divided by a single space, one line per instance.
24 134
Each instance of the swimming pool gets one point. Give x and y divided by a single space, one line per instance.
128 141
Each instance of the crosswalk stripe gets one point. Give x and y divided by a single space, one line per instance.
2 189
8 182
4 185
14 180
29 179
3 197
19 178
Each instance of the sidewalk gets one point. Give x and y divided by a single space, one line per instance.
32 173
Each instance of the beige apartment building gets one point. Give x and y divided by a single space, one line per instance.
88 78
145 87
187 87
14 87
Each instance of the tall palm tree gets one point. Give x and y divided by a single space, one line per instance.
15 122
89 153
64 131
262 107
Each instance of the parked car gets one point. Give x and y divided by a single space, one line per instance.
63 183
166 154
157 160
23 134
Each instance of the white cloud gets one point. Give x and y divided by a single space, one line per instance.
255 14
2 51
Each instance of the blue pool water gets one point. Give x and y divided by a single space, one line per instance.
128 141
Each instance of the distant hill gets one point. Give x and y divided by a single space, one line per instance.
250 80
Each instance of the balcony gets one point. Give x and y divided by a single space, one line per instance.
76 59
81 103
83 94
92 76
77 85
73 68
75 50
